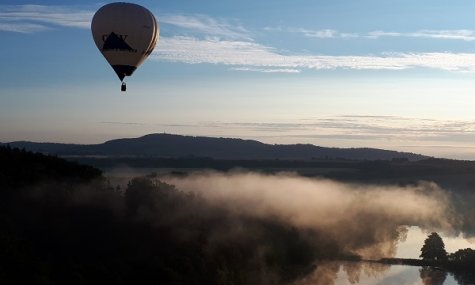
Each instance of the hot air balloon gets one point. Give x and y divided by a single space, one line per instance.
125 34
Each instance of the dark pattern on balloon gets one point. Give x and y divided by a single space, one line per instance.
115 42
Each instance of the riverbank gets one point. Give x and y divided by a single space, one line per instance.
461 266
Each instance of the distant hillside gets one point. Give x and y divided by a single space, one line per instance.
174 146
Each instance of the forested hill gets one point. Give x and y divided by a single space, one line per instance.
177 146
20 167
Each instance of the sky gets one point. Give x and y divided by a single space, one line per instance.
396 75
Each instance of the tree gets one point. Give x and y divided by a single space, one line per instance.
433 248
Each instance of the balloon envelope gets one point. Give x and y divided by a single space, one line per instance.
125 34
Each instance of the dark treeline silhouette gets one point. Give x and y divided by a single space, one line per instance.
21 167
462 261
435 262
176 146
63 223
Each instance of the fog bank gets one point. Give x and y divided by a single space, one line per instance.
367 220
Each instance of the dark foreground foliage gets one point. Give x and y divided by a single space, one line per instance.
20 168
62 223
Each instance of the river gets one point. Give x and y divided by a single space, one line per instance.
369 273
365 273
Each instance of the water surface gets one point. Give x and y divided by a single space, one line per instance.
345 273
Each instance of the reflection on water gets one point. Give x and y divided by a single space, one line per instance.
432 276
344 273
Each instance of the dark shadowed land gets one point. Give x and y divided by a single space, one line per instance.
177 146
64 223
164 152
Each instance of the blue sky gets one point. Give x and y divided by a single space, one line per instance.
388 74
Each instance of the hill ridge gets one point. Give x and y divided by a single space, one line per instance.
173 146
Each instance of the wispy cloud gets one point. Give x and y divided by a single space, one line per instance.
325 33
207 26
249 54
268 70
367 128
211 50
354 127
121 123
22 27
396 128
463 34
321 33
33 18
